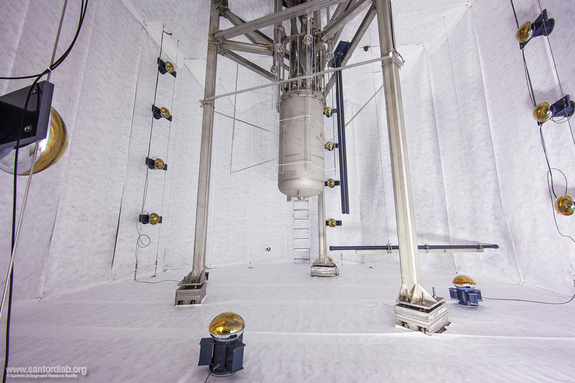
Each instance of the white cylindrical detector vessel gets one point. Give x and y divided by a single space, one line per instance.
301 169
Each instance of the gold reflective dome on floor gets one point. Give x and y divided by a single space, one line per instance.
565 205
463 280
227 324
524 32
49 151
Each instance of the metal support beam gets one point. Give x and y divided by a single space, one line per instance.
197 275
322 267
259 49
255 36
412 292
246 63
370 15
341 7
275 18
338 24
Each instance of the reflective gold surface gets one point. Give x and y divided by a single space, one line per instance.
330 183
524 32
565 205
52 148
332 223
542 112
463 280
170 67
227 324
165 112
327 111
329 145
154 218
159 163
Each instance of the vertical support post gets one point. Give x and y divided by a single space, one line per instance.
198 266
322 267
411 289
322 238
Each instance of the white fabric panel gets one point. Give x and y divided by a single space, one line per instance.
33 55
88 211
542 253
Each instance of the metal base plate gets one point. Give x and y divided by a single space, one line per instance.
428 321
190 294
324 271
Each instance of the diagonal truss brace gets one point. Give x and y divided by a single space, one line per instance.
246 63
275 18
370 15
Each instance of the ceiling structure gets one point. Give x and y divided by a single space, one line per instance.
419 22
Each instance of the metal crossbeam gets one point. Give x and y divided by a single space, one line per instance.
354 44
247 47
254 36
246 63
277 17
338 24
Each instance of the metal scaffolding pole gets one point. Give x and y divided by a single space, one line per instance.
192 287
322 267
411 289
416 308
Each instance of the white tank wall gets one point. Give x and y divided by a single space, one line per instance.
481 180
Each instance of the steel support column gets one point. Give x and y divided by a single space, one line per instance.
322 267
411 289
198 267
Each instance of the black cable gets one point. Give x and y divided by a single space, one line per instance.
13 235
37 77
515 13
526 300
528 80
56 64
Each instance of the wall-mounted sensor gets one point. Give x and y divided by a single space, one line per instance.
162 112
166 67
156 163
333 223
152 219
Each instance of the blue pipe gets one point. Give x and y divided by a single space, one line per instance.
421 247
341 135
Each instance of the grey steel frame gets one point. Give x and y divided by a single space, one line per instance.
411 292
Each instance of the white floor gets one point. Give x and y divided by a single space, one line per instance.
298 329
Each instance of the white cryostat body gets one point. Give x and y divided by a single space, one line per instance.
301 169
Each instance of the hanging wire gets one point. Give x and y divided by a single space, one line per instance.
140 243
167 156
550 181
551 195
529 301
379 140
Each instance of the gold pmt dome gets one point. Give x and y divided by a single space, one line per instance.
154 218
463 280
159 163
542 112
226 325
524 32
169 67
565 205
165 112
